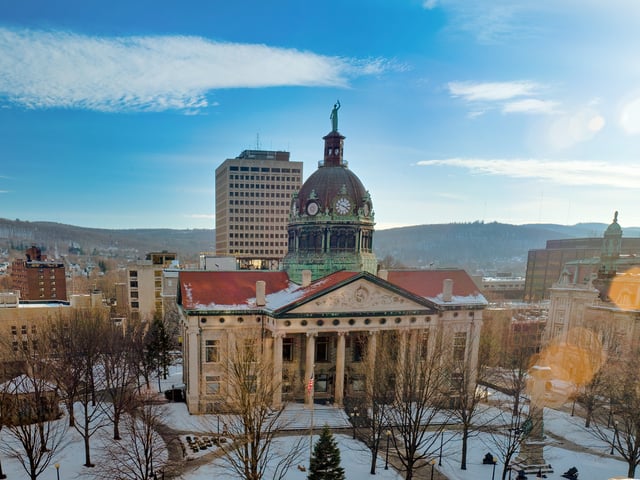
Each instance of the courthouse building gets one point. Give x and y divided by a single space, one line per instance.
316 316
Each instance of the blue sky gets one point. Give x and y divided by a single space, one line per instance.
116 114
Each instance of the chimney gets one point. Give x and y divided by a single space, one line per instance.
383 274
306 278
261 287
447 290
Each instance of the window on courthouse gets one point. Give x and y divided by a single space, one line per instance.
212 384
322 349
212 351
459 346
287 349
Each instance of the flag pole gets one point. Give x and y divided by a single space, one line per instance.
310 391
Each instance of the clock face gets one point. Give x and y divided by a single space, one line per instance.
312 208
343 205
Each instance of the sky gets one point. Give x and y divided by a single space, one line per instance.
116 114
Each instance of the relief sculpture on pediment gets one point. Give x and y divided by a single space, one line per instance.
359 297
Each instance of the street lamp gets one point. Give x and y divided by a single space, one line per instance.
615 435
432 462
57 465
493 475
386 458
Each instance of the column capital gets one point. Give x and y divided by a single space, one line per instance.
312 333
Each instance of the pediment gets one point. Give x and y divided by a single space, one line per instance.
361 295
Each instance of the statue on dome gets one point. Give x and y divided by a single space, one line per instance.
334 116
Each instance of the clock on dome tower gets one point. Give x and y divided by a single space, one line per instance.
331 222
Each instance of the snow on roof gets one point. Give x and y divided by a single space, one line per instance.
26 384
236 290
429 284
215 290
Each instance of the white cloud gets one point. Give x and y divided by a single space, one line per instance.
571 172
492 91
530 105
429 4
49 69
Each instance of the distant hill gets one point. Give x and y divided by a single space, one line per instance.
477 246
60 239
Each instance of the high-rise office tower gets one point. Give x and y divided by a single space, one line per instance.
253 201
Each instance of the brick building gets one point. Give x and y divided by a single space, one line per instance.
39 279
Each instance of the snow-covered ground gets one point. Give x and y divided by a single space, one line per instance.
355 457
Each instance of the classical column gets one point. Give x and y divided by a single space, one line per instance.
402 363
309 365
193 369
277 369
372 346
338 395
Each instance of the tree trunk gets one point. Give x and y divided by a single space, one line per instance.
632 469
465 441
409 474
72 418
374 457
87 452
116 427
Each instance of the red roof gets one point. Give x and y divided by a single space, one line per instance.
199 288
322 284
428 283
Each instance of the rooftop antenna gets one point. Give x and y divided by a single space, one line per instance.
258 141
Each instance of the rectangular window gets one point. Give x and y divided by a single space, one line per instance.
14 330
250 350
212 384
287 349
459 346
424 345
212 351
358 348
24 329
322 383
322 349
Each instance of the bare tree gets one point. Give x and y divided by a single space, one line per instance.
620 428
417 415
379 369
137 455
468 372
30 416
117 360
68 366
89 332
509 433
254 421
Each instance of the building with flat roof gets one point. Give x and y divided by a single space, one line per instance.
39 279
544 266
253 198
145 285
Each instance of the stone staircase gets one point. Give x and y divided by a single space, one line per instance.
299 417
